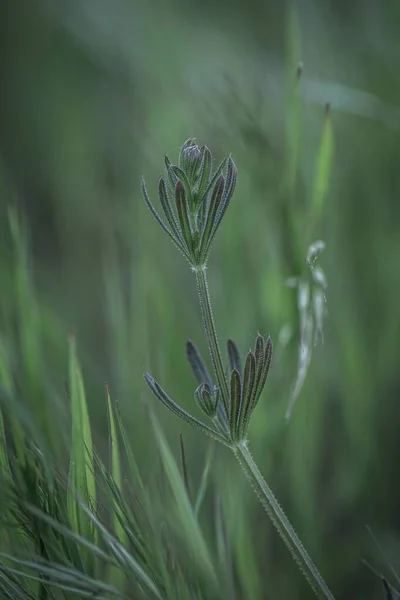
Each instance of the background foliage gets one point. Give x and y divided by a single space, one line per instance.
94 95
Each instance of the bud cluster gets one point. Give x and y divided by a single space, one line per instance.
194 200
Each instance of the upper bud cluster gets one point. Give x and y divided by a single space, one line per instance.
194 200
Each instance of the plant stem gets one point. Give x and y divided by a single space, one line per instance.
241 451
281 522
211 334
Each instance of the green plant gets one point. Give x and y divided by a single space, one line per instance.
194 201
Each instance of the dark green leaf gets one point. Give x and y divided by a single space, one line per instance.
234 356
264 372
183 214
176 241
260 350
167 208
248 386
172 178
198 367
206 198
181 412
234 402
205 171
184 466
222 208
182 177
211 215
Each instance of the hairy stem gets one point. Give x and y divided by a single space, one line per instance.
211 334
281 523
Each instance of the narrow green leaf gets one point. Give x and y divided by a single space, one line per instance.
264 372
211 215
204 201
224 549
127 562
198 366
234 357
259 354
173 179
134 473
231 178
61 577
184 467
205 171
81 472
167 208
176 240
214 178
182 177
204 480
29 330
323 168
115 462
247 393
183 214
180 412
66 532
235 393
225 201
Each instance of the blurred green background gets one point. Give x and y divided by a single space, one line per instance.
93 94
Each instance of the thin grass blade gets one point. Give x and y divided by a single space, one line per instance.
115 462
323 168
81 471
204 480
184 466
190 526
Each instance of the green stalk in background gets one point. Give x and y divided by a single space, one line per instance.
194 201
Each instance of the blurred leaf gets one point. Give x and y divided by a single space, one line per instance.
81 469
190 526
323 169
294 109
115 462
204 480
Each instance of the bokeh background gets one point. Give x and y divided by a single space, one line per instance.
93 94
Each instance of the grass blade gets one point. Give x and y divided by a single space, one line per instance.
190 526
81 472
323 168
115 462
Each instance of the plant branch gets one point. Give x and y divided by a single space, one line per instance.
211 334
281 523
